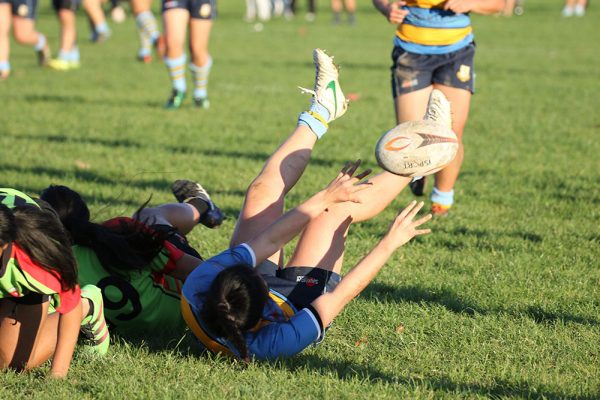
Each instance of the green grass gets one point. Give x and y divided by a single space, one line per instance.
502 300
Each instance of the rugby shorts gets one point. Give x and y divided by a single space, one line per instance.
198 9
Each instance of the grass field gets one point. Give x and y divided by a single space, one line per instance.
502 300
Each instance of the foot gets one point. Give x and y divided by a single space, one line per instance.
567 12
43 56
439 210
327 91
4 74
160 46
146 58
186 191
417 186
93 327
202 102
175 100
63 65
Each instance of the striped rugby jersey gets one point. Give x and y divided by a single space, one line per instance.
429 29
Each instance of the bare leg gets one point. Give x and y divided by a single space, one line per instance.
322 243
68 30
412 106
93 9
175 21
27 334
182 216
5 20
24 31
265 196
460 101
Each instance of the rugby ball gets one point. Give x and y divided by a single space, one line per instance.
420 148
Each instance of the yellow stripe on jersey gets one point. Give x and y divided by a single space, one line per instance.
425 3
431 36
209 343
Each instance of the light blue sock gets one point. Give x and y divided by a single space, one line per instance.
102 29
40 43
315 125
71 55
4 66
176 67
200 75
443 198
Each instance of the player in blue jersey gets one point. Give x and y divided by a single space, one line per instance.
434 48
246 302
22 14
178 15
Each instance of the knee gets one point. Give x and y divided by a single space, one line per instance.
20 36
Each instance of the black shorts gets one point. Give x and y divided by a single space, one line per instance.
176 239
411 71
301 285
198 9
23 8
72 5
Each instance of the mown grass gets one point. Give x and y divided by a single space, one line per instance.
502 300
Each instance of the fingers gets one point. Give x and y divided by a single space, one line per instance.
419 232
363 174
422 220
402 214
416 208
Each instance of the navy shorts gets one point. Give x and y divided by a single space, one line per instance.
198 9
411 71
23 8
301 285
176 239
72 5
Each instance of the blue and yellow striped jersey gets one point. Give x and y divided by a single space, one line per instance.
429 29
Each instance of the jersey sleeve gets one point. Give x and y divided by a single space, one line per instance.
200 280
285 339
69 300
166 260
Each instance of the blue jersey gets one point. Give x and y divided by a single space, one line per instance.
429 29
282 332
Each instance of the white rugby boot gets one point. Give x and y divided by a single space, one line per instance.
438 109
327 91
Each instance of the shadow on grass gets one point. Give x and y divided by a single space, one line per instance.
453 302
76 100
351 371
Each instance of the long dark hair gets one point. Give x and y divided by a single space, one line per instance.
41 235
234 304
125 246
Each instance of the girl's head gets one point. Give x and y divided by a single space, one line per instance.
41 235
124 246
234 304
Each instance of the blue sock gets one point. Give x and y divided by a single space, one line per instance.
71 55
200 75
40 43
318 126
443 198
102 29
176 67
4 66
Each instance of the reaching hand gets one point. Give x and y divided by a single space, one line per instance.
344 187
458 6
404 228
395 14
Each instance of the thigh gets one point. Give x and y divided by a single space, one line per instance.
5 17
199 34
138 6
23 27
460 102
20 327
175 24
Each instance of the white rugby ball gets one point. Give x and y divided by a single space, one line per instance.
416 148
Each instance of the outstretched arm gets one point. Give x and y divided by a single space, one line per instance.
329 305
343 188
68 331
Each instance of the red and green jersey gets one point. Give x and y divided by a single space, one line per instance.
143 302
20 276
13 198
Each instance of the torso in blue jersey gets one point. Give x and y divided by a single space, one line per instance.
429 29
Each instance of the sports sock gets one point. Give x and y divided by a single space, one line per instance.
146 22
201 205
316 119
443 198
200 75
176 67
40 43
4 66
102 29
70 55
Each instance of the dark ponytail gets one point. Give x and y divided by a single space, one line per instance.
234 304
124 246
40 234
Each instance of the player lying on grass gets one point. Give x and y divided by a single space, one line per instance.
139 263
245 301
42 309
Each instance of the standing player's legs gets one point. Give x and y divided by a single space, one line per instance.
25 33
203 13
68 55
175 24
148 30
323 241
98 25
5 21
